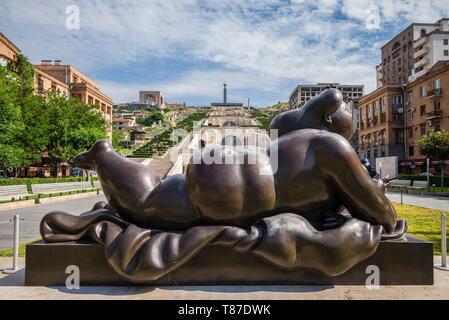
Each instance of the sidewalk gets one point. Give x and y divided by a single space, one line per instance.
11 287
432 202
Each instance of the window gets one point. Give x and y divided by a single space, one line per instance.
436 105
411 151
446 42
376 107
437 127
410 115
375 153
398 136
383 104
410 132
422 110
423 129
446 53
437 84
409 96
422 91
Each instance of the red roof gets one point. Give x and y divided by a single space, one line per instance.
120 120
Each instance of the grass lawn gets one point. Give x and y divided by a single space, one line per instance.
8 252
423 223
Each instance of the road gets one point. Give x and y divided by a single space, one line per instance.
439 203
29 228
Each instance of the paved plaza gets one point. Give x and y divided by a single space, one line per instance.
11 287
29 227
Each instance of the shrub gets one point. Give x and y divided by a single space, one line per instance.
434 180
30 181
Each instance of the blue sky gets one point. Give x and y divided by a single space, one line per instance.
187 48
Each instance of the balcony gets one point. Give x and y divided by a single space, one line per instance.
420 42
434 93
421 52
397 107
421 62
436 114
398 117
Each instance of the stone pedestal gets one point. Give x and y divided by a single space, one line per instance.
401 262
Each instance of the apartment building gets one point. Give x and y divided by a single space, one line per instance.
427 109
123 124
152 98
380 121
352 107
8 50
303 93
403 56
429 49
45 82
80 86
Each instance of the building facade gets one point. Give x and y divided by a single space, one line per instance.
80 86
381 124
152 98
45 82
429 49
402 56
8 50
352 107
123 124
303 93
427 109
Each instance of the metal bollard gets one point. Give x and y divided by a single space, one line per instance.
15 261
443 265
401 198
443 241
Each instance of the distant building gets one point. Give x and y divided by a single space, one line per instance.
152 98
303 93
123 124
381 123
8 50
412 52
133 106
80 86
229 114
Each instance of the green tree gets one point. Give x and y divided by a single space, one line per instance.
74 127
30 124
117 138
153 117
140 120
435 145
17 131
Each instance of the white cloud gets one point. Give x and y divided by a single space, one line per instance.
259 45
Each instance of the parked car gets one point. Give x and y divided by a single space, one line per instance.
425 174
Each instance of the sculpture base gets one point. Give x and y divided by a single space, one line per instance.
401 262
